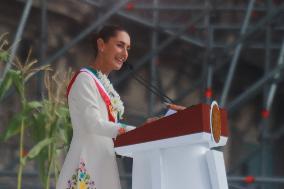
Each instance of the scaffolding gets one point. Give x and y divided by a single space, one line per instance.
221 31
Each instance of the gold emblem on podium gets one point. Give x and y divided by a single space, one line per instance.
215 121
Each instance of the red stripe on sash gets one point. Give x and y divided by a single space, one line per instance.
107 101
71 83
101 91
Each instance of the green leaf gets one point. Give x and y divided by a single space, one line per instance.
18 82
5 84
14 127
13 77
63 111
62 136
37 122
32 105
4 56
38 148
15 123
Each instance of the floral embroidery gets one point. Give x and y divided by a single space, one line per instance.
81 179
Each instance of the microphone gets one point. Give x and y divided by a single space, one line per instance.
152 88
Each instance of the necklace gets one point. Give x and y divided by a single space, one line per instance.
116 103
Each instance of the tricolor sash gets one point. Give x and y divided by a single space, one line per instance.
100 88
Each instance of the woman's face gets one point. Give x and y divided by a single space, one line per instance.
114 52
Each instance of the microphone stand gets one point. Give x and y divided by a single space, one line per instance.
152 88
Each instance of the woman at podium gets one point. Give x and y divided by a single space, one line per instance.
95 110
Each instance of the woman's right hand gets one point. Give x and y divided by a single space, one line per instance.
151 119
121 131
175 107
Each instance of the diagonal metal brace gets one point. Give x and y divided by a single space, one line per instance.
161 47
88 30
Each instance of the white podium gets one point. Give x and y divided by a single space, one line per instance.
175 152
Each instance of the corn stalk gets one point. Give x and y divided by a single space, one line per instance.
48 120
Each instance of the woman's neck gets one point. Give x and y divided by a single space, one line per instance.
99 65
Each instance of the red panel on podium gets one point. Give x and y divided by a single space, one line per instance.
194 119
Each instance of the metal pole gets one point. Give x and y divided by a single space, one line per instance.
232 186
43 44
273 87
266 147
272 13
215 26
183 7
209 81
196 41
253 89
236 56
242 39
149 55
249 46
153 65
207 66
266 162
232 106
146 23
18 37
88 30
267 57
271 180
185 38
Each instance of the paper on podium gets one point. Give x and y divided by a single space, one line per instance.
170 112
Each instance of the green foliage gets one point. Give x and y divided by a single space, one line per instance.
14 124
13 77
13 127
37 149
47 121
4 56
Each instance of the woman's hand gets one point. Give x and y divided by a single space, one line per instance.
121 131
151 119
125 128
169 106
175 107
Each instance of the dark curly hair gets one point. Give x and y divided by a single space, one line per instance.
105 34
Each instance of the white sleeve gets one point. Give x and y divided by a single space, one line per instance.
83 98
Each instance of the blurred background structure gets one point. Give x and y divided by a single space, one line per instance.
193 51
